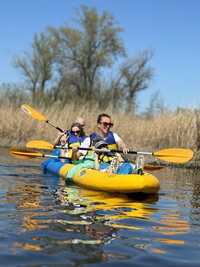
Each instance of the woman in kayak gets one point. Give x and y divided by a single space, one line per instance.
70 139
81 122
61 139
104 124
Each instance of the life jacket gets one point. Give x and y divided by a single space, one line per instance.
73 141
110 140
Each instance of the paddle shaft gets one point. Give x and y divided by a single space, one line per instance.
117 151
56 127
52 156
108 151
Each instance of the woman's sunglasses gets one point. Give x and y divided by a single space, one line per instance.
107 124
76 132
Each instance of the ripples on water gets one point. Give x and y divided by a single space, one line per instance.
43 222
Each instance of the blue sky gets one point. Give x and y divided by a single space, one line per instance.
171 28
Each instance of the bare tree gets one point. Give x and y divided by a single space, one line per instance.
137 75
156 106
134 76
37 67
85 51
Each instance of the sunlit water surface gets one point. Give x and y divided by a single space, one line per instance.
44 222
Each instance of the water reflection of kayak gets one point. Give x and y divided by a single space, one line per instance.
129 205
97 180
112 210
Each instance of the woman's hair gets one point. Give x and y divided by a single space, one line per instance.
76 124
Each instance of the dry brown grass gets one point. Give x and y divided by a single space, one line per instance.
168 130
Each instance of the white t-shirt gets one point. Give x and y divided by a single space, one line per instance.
86 143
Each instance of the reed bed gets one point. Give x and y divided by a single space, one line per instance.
172 129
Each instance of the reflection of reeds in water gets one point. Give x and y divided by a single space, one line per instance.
170 129
27 198
27 246
172 225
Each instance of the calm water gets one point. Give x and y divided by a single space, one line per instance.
43 222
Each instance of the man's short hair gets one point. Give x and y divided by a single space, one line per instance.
102 115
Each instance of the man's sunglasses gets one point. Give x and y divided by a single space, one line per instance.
107 124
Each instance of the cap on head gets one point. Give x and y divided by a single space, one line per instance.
81 121
100 143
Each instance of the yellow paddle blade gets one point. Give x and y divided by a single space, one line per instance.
25 154
33 113
175 155
40 144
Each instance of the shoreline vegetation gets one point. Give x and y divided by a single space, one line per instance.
171 129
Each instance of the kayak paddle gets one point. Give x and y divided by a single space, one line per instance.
38 116
28 154
174 155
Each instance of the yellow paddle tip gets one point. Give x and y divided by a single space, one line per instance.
39 144
175 155
33 112
24 153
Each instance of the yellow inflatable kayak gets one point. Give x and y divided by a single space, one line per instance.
97 180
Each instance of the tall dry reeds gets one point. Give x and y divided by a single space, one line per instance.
172 129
